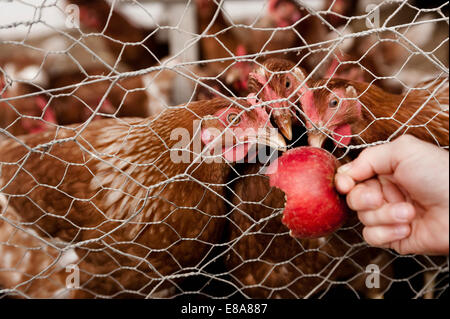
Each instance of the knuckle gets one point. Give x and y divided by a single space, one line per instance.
353 198
374 236
406 139
364 218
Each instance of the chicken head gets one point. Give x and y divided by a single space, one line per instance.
231 132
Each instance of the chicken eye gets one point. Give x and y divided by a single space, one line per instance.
288 83
233 117
334 103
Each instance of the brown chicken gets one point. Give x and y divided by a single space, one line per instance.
339 10
137 96
118 189
219 39
25 115
347 67
354 68
78 103
22 110
297 23
222 41
397 57
145 49
359 113
30 267
278 81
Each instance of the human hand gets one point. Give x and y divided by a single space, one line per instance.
400 191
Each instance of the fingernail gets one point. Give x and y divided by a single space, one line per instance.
344 168
402 212
401 231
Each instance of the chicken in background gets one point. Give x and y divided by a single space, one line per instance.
23 114
342 66
232 82
123 189
220 40
237 75
396 57
207 89
389 60
95 15
353 68
137 96
237 42
298 26
339 11
70 95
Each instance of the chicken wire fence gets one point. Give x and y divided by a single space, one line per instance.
84 216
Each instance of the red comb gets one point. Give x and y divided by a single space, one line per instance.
241 50
332 69
107 107
89 19
273 4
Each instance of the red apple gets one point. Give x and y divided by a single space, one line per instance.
313 207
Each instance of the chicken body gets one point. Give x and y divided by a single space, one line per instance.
298 24
114 189
220 39
146 50
30 267
340 10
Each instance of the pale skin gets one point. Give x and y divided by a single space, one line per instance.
400 191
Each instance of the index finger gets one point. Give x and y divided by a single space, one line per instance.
377 160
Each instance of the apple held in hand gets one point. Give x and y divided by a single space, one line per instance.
313 207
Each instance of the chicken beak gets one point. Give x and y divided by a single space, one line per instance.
283 120
316 139
269 137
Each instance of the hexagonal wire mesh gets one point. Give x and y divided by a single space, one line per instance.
93 201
